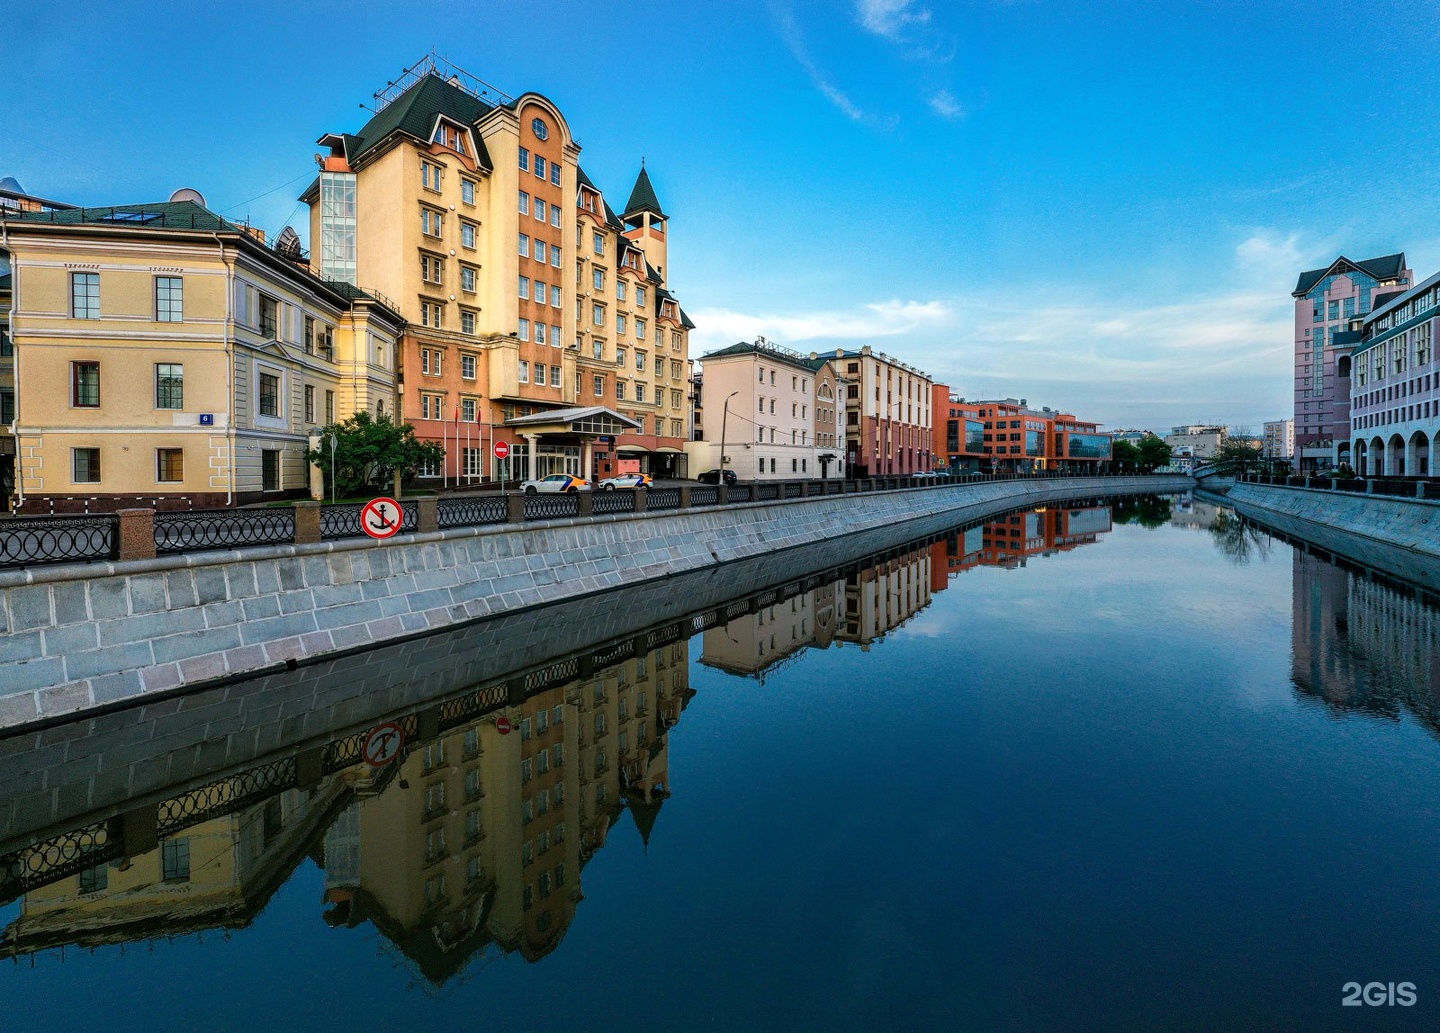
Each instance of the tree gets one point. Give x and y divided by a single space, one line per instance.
1154 453
369 452
1238 455
1124 455
1149 511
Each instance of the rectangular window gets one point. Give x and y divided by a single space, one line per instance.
597 315
599 387
539 210
554 295
430 175
524 332
432 223
555 255
555 216
269 395
620 286
85 465
639 356
540 373
310 403
539 166
555 176
554 376
85 295
329 407
598 242
524 246
269 317
525 287
598 279
524 203
621 323
467 279
640 296
524 372
169 385
525 158
467 322
169 465
539 293
169 299
620 390
539 333
85 385
467 235
639 392
540 251
7 406
175 859
467 191
467 367
270 469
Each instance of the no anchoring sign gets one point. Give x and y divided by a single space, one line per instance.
383 744
381 518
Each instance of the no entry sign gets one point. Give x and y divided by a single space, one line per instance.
502 725
381 518
382 744
502 450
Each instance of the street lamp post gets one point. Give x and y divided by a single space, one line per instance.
724 419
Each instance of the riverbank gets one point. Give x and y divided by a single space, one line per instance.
1393 535
78 640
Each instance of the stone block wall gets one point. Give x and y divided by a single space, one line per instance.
75 638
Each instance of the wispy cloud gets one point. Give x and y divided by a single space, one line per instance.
944 104
718 327
794 41
893 20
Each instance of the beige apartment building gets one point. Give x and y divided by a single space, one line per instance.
888 420
535 315
164 356
762 403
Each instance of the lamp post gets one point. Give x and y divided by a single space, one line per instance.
724 419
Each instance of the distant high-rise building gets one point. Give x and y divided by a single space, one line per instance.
1279 440
1326 302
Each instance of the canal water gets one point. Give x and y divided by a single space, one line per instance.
1137 766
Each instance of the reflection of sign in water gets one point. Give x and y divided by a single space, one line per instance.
381 518
383 744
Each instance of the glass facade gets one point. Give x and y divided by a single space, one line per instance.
1035 442
1088 446
337 226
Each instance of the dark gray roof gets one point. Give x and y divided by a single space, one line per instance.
413 113
642 198
170 215
1386 267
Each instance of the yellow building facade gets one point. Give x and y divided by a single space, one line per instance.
163 356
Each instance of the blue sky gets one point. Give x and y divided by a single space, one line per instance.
1096 206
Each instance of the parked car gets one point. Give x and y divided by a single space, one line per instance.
561 483
627 480
713 477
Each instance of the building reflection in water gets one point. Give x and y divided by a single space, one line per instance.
1364 644
474 842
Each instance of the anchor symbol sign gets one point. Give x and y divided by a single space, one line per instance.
381 518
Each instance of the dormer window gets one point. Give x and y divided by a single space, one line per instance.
450 135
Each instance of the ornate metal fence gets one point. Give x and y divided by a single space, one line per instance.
26 542
664 498
56 858
705 496
470 512
344 521
223 529
225 796
614 502
548 507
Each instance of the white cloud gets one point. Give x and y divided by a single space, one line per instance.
719 327
891 19
944 104
795 41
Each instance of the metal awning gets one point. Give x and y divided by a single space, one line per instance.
592 421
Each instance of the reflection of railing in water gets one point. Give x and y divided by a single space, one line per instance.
66 854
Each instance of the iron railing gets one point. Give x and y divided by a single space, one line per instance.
1394 487
614 501
225 796
223 529
663 498
57 858
708 496
344 521
26 542
550 507
470 511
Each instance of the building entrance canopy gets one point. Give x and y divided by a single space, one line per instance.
595 421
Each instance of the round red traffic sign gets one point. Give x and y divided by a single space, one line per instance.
382 517
382 744
502 725
502 450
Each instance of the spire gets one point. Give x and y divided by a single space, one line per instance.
642 198
645 812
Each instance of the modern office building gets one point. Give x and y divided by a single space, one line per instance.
1327 301
1007 435
535 314
1395 391
165 356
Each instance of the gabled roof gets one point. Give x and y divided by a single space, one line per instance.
610 218
1386 267
642 198
413 114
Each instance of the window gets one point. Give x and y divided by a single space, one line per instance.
524 203
432 269
621 323
555 213
169 385
467 194
269 317
467 235
640 393
329 407
539 293
640 329
325 341
467 367
540 246
539 210
524 331
555 376
7 406
555 255
539 166
270 470
639 358
555 176
620 289
432 223
430 173
85 385
620 356
85 295
169 299
175 859
598 242
598 279
169 465
85 465
431 313
540 366
525 158
597 315
640 296
269 395
310 403
599 387
467 279
524 246
524 372
620 390
554 295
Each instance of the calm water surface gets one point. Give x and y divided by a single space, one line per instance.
1061 772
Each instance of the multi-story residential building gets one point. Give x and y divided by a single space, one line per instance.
1279 440
1326 302
1007 435
165 356
829 409
762 399
536 315
1396 386
1197 440
887 414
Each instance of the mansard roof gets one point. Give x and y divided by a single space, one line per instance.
1386 267
413 114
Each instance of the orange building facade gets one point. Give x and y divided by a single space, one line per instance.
1007 436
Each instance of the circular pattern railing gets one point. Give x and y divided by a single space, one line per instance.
615 502
344 521
223 529
707 496
665 498
469 512
549 507
26 542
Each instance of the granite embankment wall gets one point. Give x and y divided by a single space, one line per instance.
73 638
1397 536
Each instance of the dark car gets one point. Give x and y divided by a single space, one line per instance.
713 477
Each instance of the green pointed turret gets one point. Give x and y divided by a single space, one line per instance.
642 198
